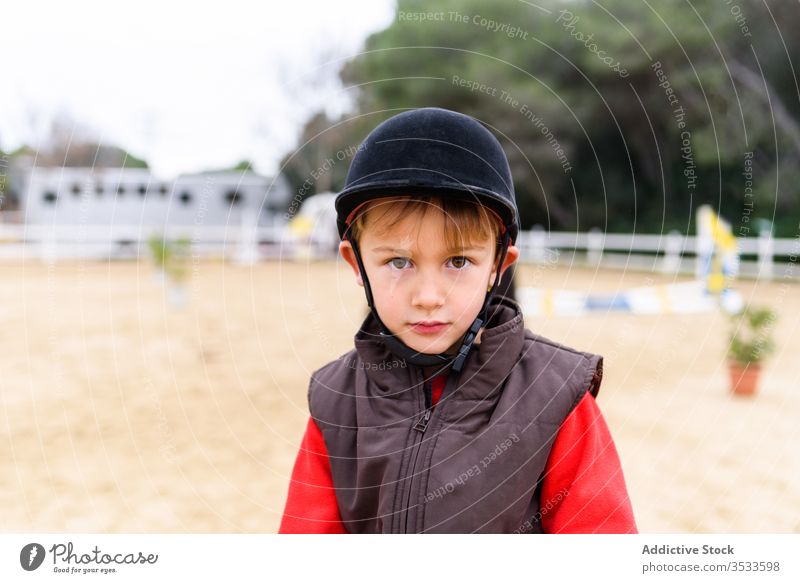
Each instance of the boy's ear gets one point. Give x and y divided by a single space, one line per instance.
346 249
512 254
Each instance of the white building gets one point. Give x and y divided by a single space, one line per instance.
113 213
118 196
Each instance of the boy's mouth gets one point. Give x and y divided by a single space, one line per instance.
429 327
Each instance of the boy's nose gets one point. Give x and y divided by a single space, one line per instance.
429 294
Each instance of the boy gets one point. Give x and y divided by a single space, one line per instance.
449 415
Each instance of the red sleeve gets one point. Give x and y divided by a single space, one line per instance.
311 505
583 490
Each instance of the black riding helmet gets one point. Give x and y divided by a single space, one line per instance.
435 152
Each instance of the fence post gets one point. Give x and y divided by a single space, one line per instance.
766 246
48 243
594 246
672 253
248 238
537 240
704 247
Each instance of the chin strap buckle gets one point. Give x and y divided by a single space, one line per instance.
467 345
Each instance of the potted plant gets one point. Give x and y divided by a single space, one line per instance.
750 343
170 259
159 252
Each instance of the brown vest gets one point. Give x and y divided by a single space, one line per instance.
475 462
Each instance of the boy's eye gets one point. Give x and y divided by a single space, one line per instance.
459 262
399 262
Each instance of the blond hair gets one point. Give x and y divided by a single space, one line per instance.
465 222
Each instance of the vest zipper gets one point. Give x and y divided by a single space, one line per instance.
419 427
427 390
422 424
419 430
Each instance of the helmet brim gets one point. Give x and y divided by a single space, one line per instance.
350 199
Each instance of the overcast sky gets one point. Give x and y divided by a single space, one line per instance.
185 85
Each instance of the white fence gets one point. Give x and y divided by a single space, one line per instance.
50 243
763 257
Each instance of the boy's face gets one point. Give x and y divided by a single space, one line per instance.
416 281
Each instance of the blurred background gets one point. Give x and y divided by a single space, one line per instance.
168 251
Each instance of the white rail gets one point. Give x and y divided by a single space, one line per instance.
762 256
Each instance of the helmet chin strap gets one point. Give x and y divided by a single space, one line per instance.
400 349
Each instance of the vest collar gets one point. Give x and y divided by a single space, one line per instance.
488 363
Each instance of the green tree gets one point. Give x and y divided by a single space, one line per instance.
651 105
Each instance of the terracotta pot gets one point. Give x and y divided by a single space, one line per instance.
744 379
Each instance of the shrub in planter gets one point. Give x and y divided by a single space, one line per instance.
750 343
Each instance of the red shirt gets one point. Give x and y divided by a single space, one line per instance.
583 464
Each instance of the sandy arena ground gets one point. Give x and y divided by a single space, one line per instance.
121 414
